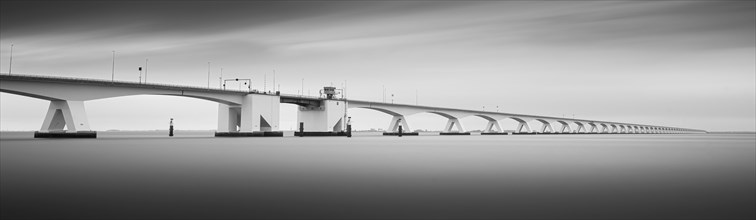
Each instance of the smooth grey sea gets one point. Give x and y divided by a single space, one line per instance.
145 175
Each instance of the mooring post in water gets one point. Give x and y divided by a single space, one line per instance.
349 127
301 129
170 129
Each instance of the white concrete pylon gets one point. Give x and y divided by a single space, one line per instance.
66 114
604 128
259 113
546 127
493 126
229 118
396 121
453 123
614 129
566 127
580 128
523 125
594 129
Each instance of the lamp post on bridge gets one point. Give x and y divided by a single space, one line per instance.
112 70
10 64
145 69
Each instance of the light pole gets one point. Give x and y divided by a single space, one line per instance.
10 64
220 79
274 79
112 70
208 75
384 93
145 69
302 87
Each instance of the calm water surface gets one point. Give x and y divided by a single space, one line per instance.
132 175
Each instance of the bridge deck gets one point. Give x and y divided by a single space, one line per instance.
101 82
285 98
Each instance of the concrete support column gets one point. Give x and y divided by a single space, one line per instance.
453 123
66 114
260 113
329 116
229 118
521 126
580 128
566 127
396 121
546 127
493 126
594 129
604 128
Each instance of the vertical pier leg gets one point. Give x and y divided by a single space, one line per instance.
492 126
396 121
521 126
66 119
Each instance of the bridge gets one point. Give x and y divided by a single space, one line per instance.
257 112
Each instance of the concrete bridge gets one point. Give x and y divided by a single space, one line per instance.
250 111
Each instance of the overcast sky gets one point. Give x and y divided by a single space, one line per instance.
674 63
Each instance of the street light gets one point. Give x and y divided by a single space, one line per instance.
112 71
10 64
145 69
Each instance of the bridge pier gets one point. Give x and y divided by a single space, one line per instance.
328 118
393 128
594 129
65 119
450 125
493 128
604 128
523 125
565 126
580 128
258 115
546 127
